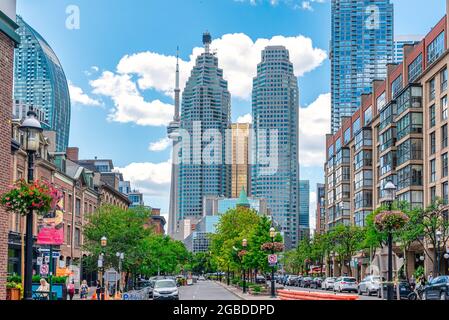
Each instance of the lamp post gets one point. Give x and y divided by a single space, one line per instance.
438 238
244 245
273 283
31 129
446 257
121 257
103 243
390 196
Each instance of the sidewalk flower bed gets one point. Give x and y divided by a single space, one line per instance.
39 196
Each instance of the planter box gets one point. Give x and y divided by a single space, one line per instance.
13 294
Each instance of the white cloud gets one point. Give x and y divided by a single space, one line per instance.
312 209
294 4
152 179
78 97
247 118
160 145
238 56
130 106
314 122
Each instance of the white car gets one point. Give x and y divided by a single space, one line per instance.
328 283
165 290
348 284
370 285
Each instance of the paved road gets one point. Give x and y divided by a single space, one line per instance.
315 290
205 290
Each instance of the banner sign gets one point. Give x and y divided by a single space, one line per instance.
51 226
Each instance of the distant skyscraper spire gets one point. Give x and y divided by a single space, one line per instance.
207 40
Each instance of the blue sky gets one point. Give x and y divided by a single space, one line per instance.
118 63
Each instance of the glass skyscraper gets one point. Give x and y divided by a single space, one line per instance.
304 208
275 107
362 44
40 82
206 106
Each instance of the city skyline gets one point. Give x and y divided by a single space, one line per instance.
134 139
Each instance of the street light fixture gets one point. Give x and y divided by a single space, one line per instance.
244 245
438 238
121 257
31 129
103 243
390 196
273 283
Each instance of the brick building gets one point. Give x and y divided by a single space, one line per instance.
399 134
8 40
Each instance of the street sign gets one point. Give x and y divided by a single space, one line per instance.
111 276
40 260
56 255
273 259
47 259
44 269
125 296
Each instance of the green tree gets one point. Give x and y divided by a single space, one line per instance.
348 240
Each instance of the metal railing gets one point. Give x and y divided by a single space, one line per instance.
137 294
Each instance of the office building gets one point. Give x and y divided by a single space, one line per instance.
361 46
275 107
240 158
304 209
400 41
320 210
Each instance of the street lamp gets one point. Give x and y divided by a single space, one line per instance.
31 129
390 196
273 283
244 245
121 257
103 243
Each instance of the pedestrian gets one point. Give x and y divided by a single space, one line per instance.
84 290
71 289
98 290
43 290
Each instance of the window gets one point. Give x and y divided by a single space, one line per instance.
387 163
396 86
77 237
381 101
363 179
356 126
387 115
363 139
433 194
363 199
445 192
338 145
444 108
444 80
412 149
69 235
444 165
387 139
78 207
409 124
444 141
435 48
363 159
368 116
432 116
433 171
433 143
410 176
347 136
432 89
415 68
70 204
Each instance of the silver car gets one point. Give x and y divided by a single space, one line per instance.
370 285
328 283
348 284
165 290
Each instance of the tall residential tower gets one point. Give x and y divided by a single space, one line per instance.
361 47
275 112
39 81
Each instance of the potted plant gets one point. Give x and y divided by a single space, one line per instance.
272 247
390 221
13 291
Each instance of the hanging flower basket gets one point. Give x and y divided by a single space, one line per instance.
270 246
390 221
242 253
39 196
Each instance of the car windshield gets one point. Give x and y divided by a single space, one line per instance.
165 284
348 280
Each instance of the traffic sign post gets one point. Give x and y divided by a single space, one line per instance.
272 260
44 270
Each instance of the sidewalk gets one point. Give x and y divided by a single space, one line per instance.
242 296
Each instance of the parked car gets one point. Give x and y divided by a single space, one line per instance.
404 291
305 282
370 285
316 283
328 283
292 280
201 278
348 284
261 279
165 290
438 289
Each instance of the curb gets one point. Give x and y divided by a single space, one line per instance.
234 293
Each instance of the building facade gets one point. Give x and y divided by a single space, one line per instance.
399 134
39 80
361 46
8 40
400 41
240 170
275 107
304 209
205 116
320 209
